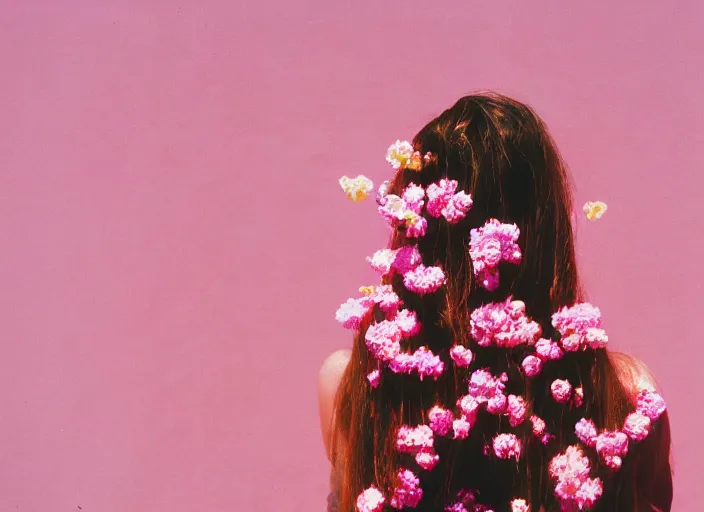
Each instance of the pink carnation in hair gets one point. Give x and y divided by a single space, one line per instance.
503 324
590 490
406 258
424 279
469 406
382 192
413 439
457 507
443 201
462 356
579 396
407 321
650 404
532 365
538 425
393 209
382 260
414 195
507 446
572 464
490 245
586 432
416 225
461 427
383 339
548 350
636 426
516 410
561 390
440 420
373 378
371 500
407 492
580 327
351 313
386 298
519 506
574 488
489 390
611 446
427 364
427 459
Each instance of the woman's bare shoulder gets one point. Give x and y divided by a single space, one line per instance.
329 379
633 373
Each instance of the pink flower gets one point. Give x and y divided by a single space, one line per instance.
427 364
650 404
469 406
407 321
393 209
461 427
519 506
574 488
407 492
561 390
578 396
440 420
406 258
548 350
532 366
586 432
443 201
399 154
416 225
373 378
572 464
383 339
486 388
424 279
503 324
413 439
427 459
370 500
507 446
386 298
538 425
357 189
382 192
516 410
351 313
611 446
580 327
414 195
488 246
636 426
588 493
462 356
382 260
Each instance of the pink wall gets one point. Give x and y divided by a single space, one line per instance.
174 243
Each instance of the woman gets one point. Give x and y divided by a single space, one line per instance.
479 379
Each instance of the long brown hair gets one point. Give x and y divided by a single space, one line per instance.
500 151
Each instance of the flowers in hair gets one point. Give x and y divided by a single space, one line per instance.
516 410
580 327
444 201
487 390
561 390
418 441
357 189
401 156
519 505
424 279
611 447
370 500
503 324
490 245
373 377
382 339
595 209
402 260
406 210
407 492
462 356
574 488
440 420
636 426
461 427
422 361
507 446
350 313
650 404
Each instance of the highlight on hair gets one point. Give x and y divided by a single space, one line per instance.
501 155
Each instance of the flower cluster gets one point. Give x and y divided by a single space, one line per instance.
444 201
405 210
407 492
418 441
574 487
503 324
490 245
580 327
611 446
357 189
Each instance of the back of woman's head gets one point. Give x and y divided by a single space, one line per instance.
463 386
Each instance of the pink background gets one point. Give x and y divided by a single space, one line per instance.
174 242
